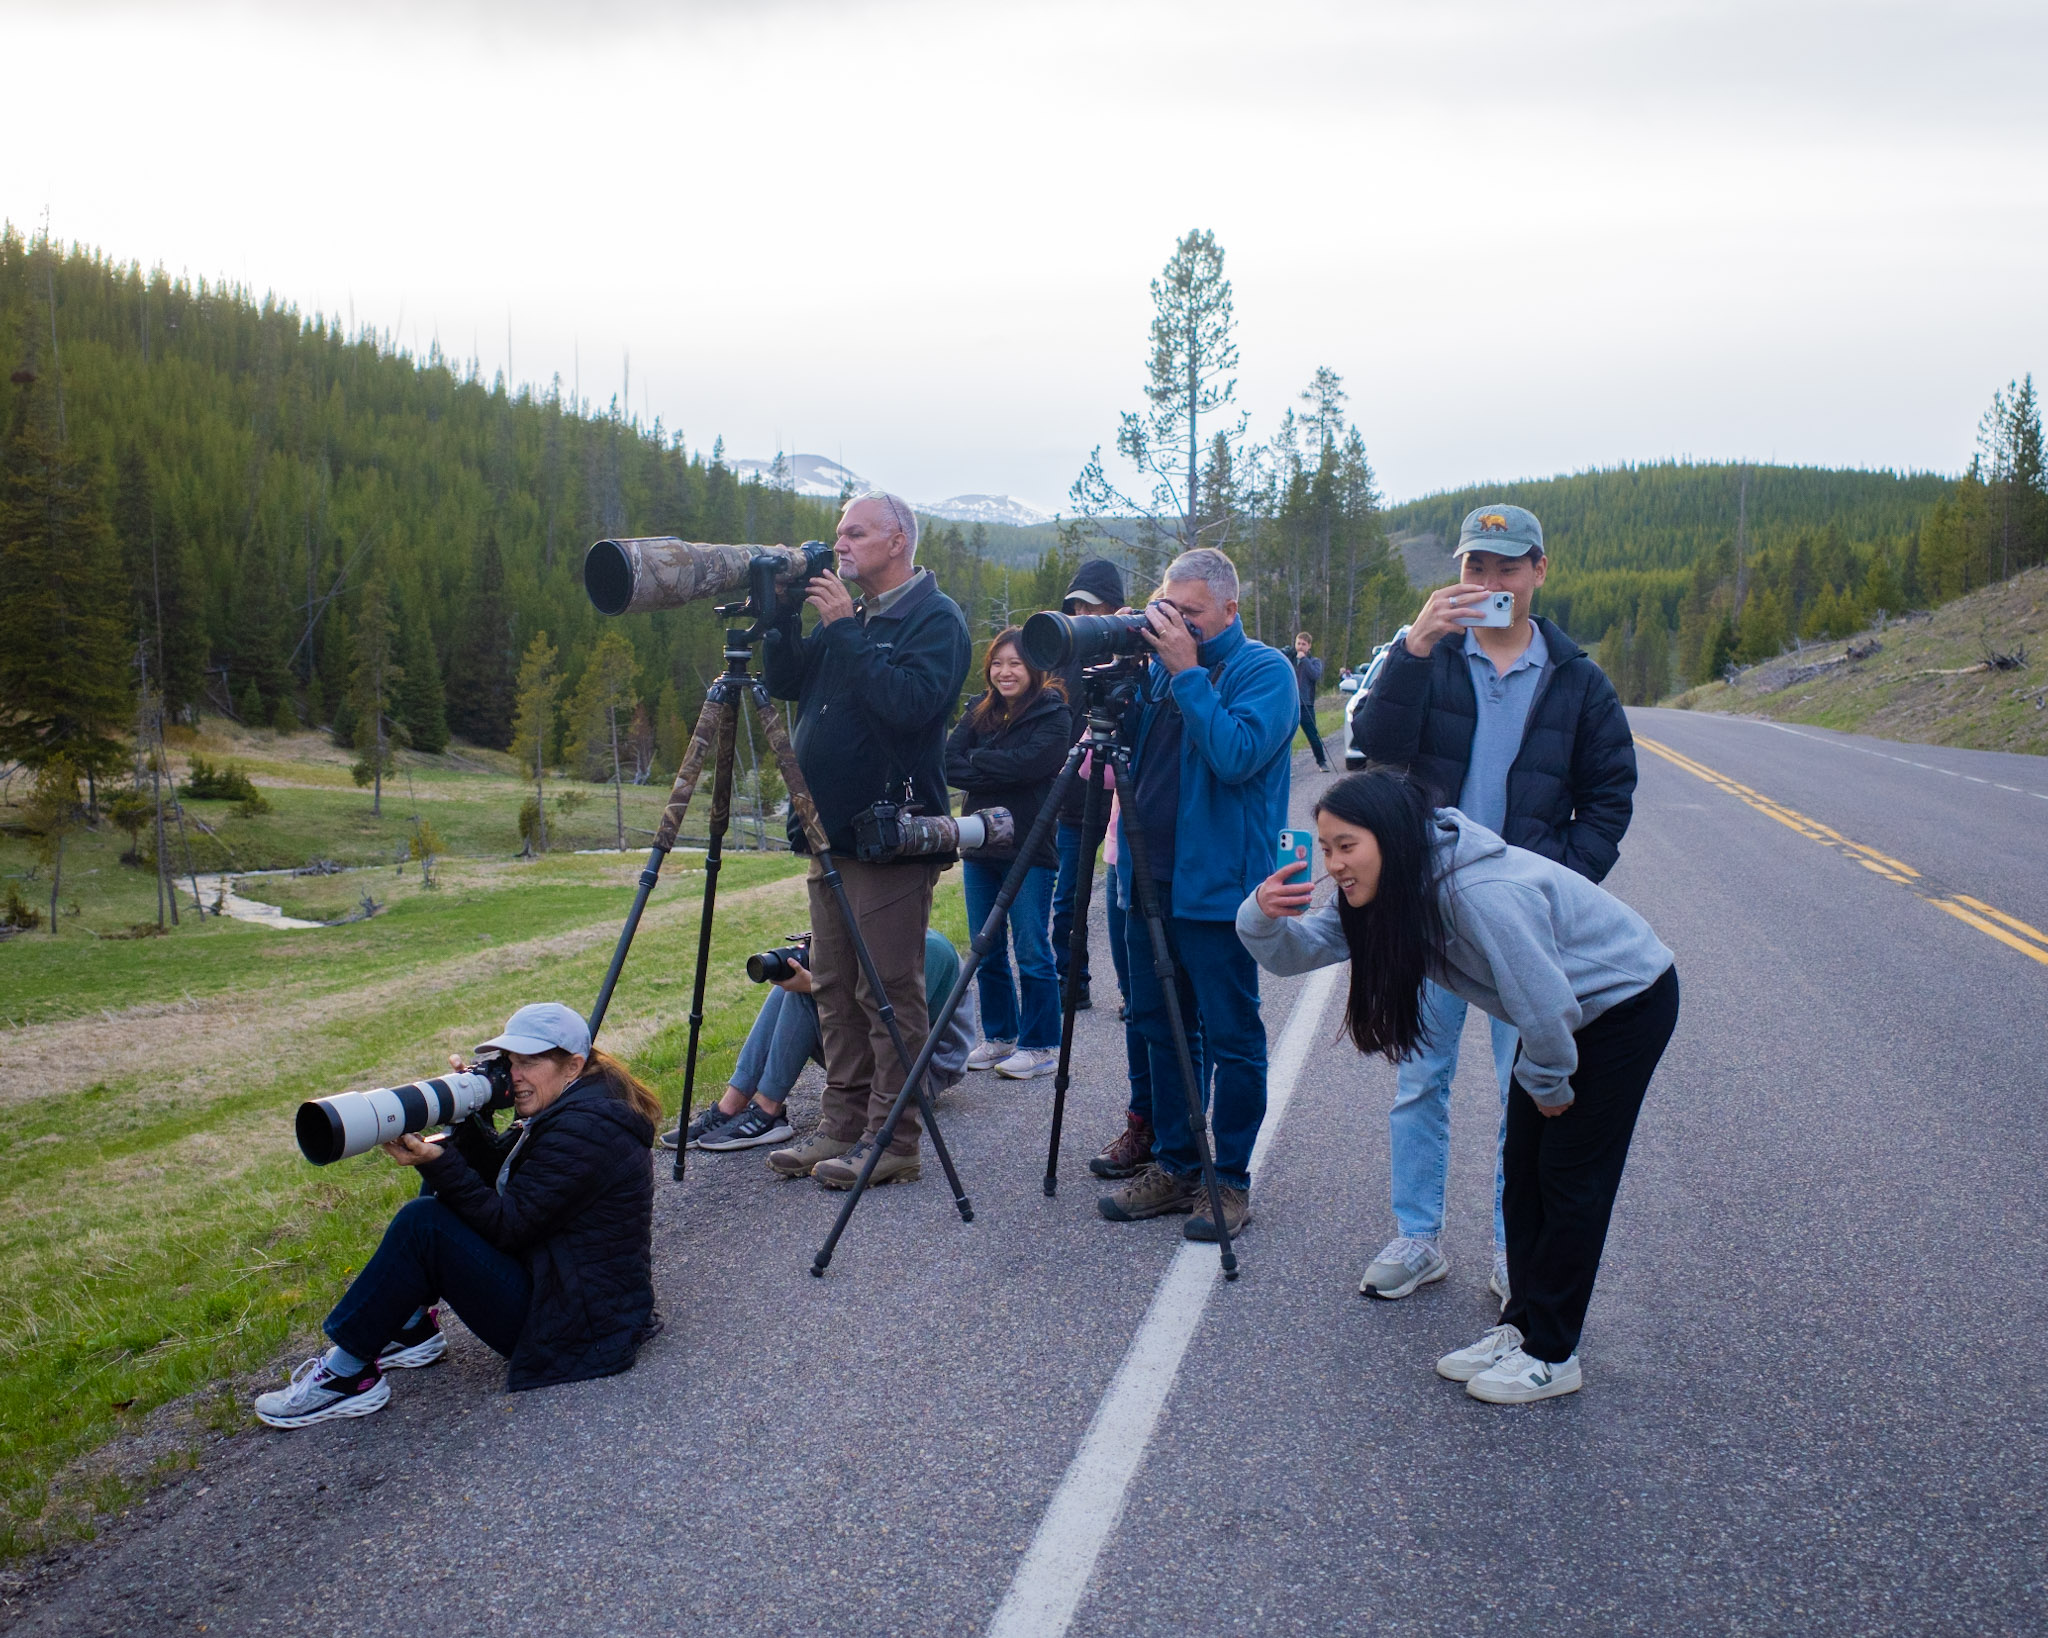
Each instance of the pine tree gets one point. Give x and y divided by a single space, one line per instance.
602 706
417 702
533 722
64 649
372 685
481 671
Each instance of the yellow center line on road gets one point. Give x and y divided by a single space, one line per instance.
1994 923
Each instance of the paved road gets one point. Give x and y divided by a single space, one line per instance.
1813 1397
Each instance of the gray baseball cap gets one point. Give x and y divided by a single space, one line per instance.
542 1027
1506 531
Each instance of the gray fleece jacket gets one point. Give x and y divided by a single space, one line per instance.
1528 942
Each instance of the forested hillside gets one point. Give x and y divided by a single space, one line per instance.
1677 569
288 522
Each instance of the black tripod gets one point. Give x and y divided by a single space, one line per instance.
1113 701
714 738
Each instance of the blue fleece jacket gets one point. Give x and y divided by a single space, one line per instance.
1236 757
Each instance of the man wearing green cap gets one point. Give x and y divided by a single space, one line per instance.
1514 725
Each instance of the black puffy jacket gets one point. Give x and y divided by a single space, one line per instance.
1571 790
1105 581
872 697
1011 767
578 1210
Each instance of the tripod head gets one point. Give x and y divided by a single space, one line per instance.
1112 694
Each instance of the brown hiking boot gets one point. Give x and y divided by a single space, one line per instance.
1237 1211
844 1171
1152 1193
800 1160
1129 1153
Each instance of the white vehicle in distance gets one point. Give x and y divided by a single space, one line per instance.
1356 687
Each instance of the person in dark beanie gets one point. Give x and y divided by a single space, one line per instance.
1519 729
1097 588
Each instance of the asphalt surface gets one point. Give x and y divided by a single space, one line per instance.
1813 1384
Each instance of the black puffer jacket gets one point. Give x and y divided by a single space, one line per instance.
1571 790
578 1211
1011 767
872 695
1103 579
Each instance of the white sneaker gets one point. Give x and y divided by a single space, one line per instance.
1498 1285
1026 1063
1518 1379
316 1394
1401 1266
1483 1355
989 1054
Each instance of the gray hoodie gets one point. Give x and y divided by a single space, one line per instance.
1528 942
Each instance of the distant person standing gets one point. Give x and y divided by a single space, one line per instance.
1308 676
1518 729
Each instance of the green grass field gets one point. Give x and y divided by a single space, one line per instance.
161 1236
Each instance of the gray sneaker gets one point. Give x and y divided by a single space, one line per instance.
1154 1192
1403 1265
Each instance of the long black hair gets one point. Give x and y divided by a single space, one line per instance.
1394 938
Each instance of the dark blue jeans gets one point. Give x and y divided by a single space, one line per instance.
1218 983
1036 1023
431 1255
1315 738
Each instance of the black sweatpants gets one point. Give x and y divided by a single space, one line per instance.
1562 1172
1315 738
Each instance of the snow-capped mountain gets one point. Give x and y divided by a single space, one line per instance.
807 474
825 480
985 509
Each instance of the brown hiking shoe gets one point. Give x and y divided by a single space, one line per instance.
1152 1193
800 1160
1237 1211
1129 1153
844 1171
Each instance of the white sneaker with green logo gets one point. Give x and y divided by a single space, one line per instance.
1520 1379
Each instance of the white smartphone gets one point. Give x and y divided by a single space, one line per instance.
1494 609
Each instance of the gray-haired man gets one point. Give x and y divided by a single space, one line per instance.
873 685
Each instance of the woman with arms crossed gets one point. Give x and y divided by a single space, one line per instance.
1425 893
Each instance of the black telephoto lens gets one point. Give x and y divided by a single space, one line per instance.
775 966
1053 640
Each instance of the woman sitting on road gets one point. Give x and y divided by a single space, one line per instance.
539 1237
1003 754
1426 893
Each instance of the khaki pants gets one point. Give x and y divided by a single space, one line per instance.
893 904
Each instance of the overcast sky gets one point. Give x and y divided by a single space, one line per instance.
1531 238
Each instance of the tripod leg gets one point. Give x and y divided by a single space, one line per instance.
1162 967
1092 828
978 948
814 832
702 738
721 812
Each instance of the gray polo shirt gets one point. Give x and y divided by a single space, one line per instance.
1504 701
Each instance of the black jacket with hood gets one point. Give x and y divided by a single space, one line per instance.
872 694
577 1207
1011 766
1103 579
1571 788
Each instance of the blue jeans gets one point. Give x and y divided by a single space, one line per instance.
1419 1124
1218 983
431 1255
784 1038
1036 1024
1137 1056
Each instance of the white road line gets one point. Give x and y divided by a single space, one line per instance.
1886 756
1082 1515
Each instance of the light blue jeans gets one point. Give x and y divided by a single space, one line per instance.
1419 1124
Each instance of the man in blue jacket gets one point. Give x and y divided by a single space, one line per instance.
1209 780
1516 727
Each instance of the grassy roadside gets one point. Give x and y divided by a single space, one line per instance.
1915 687
160 1236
